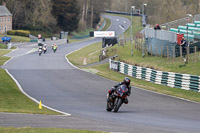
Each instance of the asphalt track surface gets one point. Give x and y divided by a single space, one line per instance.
59 85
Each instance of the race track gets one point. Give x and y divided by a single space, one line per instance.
51 79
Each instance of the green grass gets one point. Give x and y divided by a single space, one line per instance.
82 33
74 40
103 70
12 100
3 59
3 46
90 53
108 23
159 63
43 130
152 62
17 38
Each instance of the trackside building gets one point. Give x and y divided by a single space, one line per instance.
5 19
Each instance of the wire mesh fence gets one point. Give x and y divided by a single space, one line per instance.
190 54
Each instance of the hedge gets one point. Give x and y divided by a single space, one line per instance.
24 33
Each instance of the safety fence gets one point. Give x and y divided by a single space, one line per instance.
182 21
161 35
165 49
174 80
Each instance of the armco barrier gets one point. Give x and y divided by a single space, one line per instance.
174 80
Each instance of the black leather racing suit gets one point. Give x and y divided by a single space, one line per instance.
115 88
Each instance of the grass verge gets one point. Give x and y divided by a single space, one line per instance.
108 23
157 62
17 38
3 46
43 130
124 53
86 55
3 58
12 100
103 70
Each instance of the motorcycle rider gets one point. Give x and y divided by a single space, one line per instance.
54 47
125 82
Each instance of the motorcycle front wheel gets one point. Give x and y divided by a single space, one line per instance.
109 106
118 103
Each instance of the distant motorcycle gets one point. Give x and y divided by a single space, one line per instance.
54 50
40 50
45 48
54 47
115 100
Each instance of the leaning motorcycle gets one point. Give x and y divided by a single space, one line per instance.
115 100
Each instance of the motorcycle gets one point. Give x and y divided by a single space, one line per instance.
54 50
45 49
115 100
40 51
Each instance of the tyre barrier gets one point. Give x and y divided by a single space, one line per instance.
174 80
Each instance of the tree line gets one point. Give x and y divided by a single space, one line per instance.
160 11
55 15
70 15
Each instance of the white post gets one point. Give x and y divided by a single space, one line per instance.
143 30
132 7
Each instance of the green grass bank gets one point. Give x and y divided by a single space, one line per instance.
12 100
124 53
43 130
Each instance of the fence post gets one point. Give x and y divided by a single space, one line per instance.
161 51
181 52
151 49
167 52
140 45
174 53
143 47
135 43
147 50
156 50
188 53
195 50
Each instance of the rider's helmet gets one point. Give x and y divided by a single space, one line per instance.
127 81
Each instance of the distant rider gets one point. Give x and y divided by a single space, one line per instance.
54 47
126 82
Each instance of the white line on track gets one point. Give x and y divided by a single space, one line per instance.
20 88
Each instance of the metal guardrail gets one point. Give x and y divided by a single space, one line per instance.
174 80
182 21
122 13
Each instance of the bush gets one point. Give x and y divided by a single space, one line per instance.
24 33
11 32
